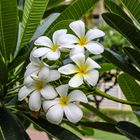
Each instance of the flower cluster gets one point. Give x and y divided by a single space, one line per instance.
39 78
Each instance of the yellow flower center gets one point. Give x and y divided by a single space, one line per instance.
83 41
82 70
54 47
64 100
39 85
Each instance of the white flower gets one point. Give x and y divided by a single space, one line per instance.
83 40
66 104
37 86
52 47
84 69
36 66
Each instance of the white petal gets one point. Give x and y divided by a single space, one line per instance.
33 59
94 33
28 81
95 48
78 28
43 41
76 81
44 73
73 113
67 69
79 59
62 90
53 75
92 77
57 34
48 104
77 50
91 64
48 92
41 52
35 101
53 55
77 95
55 114
68 39
31 69
23 93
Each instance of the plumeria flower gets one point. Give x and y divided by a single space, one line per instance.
65 104
84 70
83 40
52 47
36 66
37 87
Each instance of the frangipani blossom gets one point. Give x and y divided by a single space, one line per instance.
51 51
36 66
83 40
84 69
65 104
37 86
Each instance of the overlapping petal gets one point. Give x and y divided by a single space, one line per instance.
92 77
76 81
62 90
73 113
35 101
55 114
77 95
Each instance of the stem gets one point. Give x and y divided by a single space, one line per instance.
103 94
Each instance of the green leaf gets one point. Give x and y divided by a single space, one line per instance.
32 14
52 129
128 30
3 72
10 127
8 26
54 3
133 8
75 11
130 90
106 67
98 113
109 127
119 61
22 55
114 8
60 25
129 129
45 23
133 55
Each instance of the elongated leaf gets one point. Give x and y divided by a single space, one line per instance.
130 90
10 128
22 55
3 72
54 130
118 60
75 11
32 14
128 30
133 7
134 55
60 25
98 113
129 129
8 26
109 127
114 8
44 25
